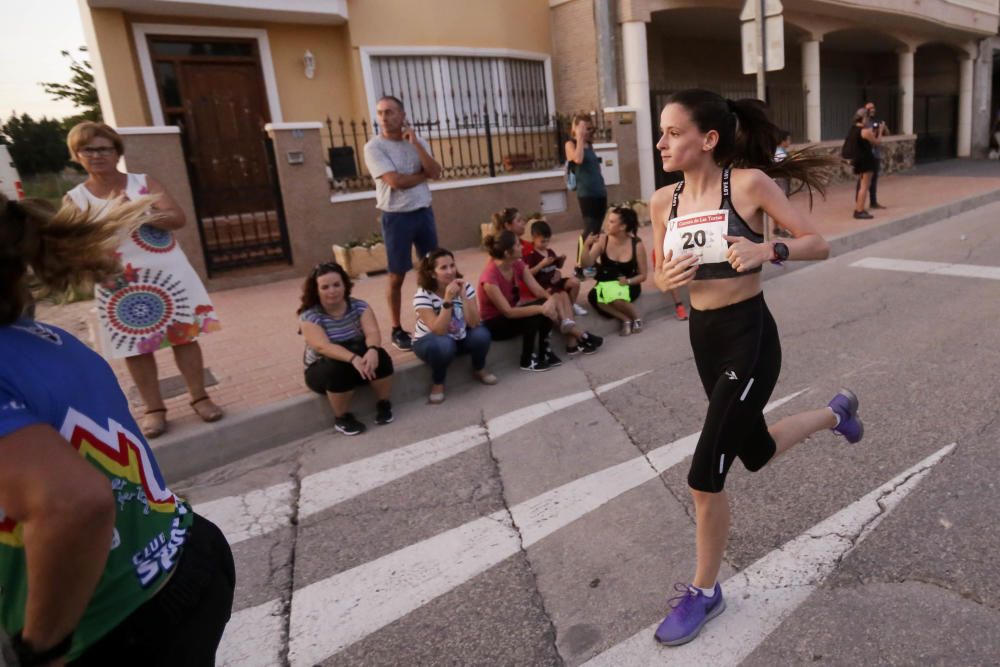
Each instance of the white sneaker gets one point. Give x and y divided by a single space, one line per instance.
579 310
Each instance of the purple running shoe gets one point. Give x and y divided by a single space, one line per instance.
689 612
845 406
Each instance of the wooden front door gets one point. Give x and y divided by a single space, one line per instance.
214 91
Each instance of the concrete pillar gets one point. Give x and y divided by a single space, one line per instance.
637 96
965 106
811 85
607 52
157 151
905 91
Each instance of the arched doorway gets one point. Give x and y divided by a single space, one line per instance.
935 102
858 66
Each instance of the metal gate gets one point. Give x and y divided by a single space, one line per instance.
935 122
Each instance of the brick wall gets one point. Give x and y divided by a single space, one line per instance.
574 56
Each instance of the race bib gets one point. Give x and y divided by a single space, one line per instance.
700 234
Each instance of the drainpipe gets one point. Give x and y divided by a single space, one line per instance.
607 53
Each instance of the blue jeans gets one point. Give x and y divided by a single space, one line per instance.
439 351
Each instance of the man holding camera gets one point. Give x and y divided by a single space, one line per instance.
401 164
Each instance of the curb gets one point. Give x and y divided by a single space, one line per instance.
193 448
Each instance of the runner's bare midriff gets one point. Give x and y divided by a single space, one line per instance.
722 292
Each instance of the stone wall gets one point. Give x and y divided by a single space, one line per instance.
898 154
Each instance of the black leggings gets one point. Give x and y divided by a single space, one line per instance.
529 328
183 623
738 356
592 210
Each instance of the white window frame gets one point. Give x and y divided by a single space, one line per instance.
142 31
367 52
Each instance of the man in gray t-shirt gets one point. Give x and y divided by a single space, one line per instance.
401 164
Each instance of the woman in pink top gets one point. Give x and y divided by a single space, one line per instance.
499 294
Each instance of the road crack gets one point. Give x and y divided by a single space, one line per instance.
551 633
286 595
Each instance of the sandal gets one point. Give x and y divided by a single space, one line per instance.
209 411
154 423
485 377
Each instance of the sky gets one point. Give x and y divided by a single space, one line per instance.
34 33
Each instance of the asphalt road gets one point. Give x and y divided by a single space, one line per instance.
543 521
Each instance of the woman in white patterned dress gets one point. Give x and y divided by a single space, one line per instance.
158 300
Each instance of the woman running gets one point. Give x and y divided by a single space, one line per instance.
709 232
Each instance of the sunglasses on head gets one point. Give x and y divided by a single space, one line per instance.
325 267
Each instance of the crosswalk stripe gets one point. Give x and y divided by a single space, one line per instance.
763 595
253 637
333 613
254 513
936 268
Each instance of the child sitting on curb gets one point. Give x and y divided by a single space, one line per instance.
545 265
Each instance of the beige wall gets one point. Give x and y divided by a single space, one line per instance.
113 39
331 91
574 56
485 24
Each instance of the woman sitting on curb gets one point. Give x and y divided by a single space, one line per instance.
448 322
343 346
498 298
621 269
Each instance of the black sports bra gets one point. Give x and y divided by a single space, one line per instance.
737 227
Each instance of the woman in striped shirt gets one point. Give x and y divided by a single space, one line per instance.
448 322
343 346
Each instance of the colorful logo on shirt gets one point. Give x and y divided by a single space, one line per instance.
121 454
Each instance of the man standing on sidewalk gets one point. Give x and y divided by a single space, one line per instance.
401 164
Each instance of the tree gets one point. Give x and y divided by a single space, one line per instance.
80 90
37 146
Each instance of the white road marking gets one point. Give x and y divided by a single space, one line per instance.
257 512
260 511
763 595
937 268
331 614
253 637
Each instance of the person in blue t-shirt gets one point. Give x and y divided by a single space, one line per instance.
100 563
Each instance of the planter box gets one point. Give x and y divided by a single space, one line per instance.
360 260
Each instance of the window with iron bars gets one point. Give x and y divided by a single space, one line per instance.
464 92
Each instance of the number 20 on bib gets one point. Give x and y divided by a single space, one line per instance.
700 234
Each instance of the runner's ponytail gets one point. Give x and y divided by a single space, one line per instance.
63 248
748 139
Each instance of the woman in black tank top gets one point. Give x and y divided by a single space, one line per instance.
622 227
707 233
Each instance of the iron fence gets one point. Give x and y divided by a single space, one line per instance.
488 143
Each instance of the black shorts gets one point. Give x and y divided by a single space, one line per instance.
738 356
327 374
183 623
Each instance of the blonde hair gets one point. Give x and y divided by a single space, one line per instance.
85 132
62 248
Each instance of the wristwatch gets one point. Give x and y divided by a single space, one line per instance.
447 304
780 252
27 656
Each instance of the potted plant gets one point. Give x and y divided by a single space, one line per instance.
365 256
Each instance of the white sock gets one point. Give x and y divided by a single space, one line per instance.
836 416
707 592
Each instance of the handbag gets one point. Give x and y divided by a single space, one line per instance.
570 175
612 290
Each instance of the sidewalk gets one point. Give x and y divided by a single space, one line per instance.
256 358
